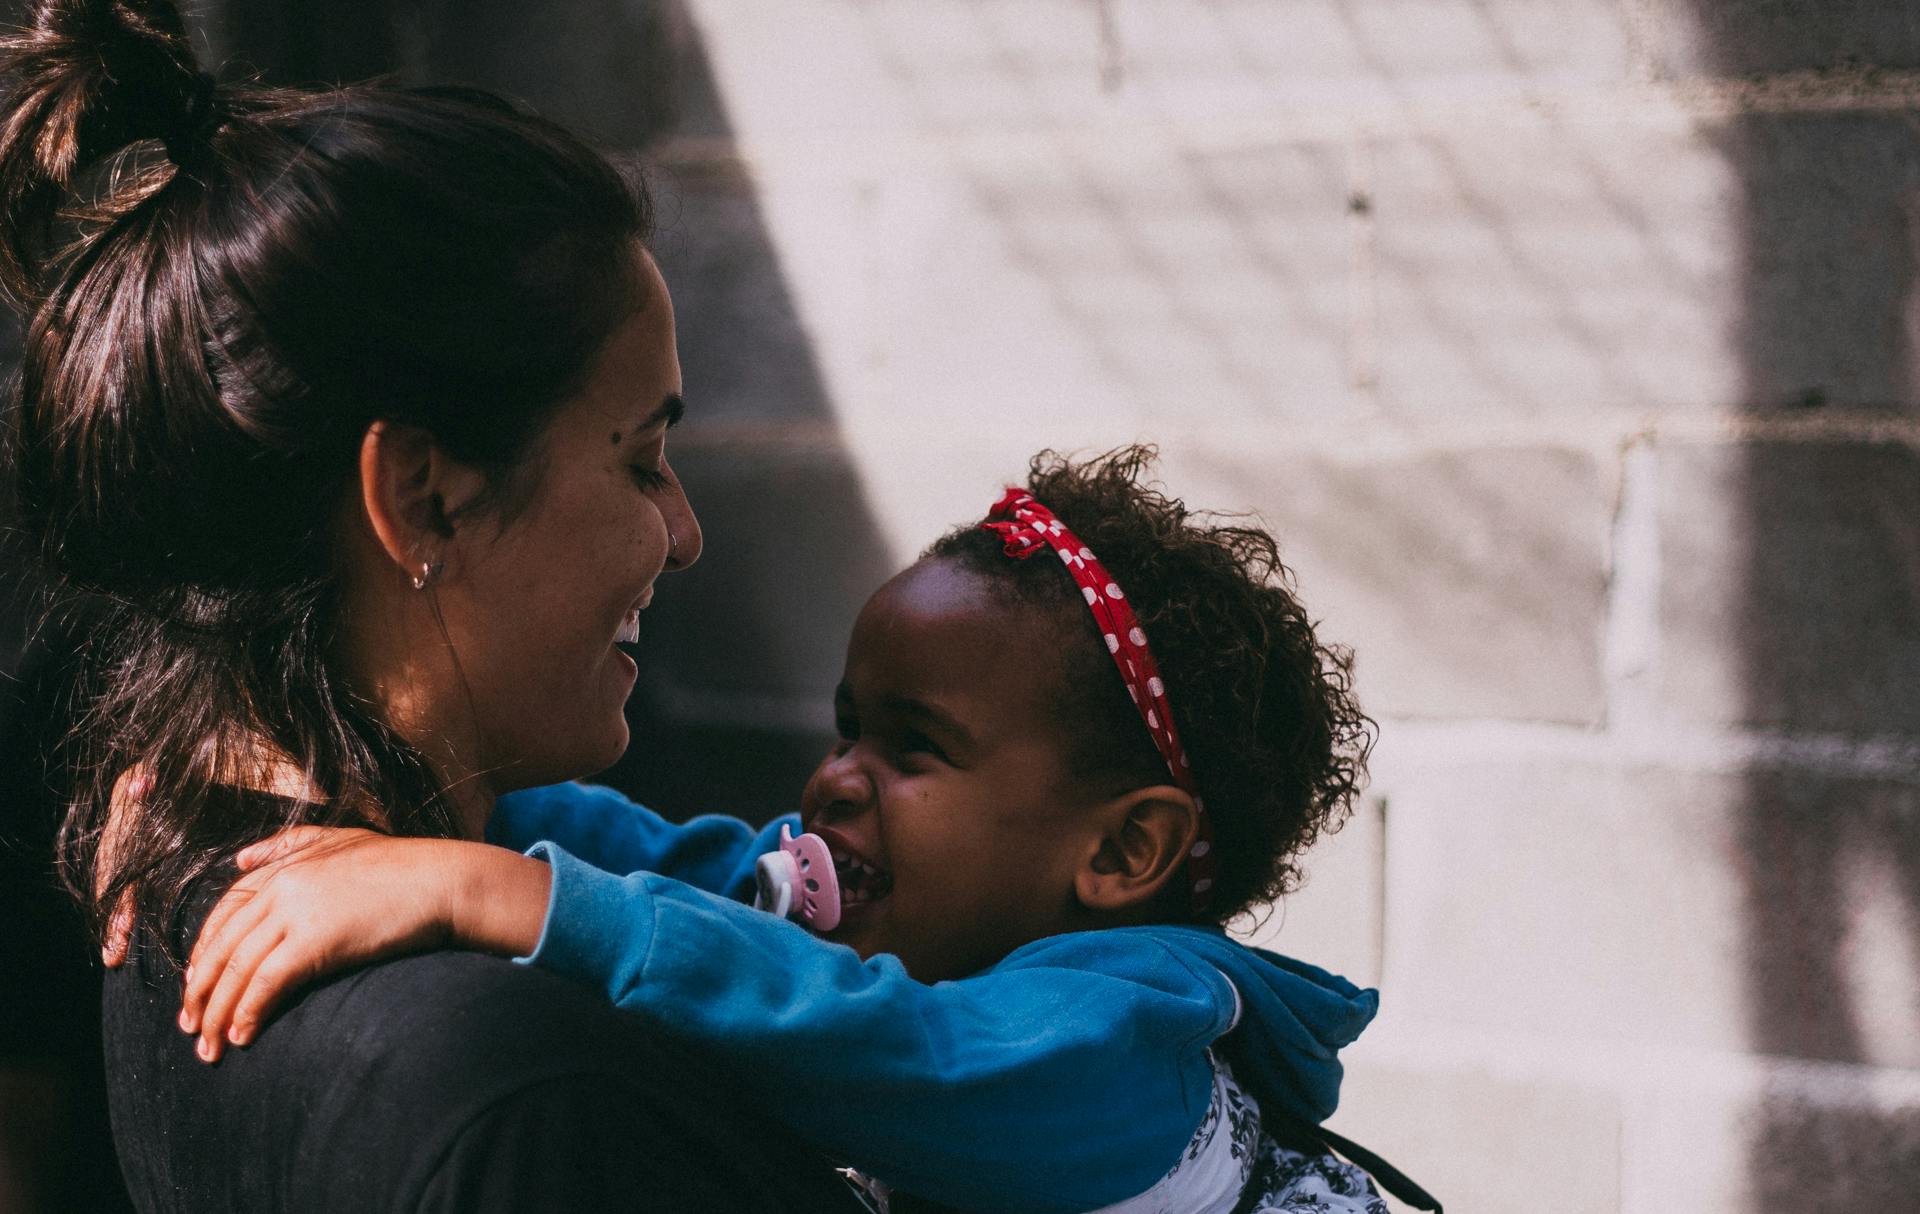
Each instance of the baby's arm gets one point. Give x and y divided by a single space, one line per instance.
378 896
1036 1087
312 901
609 831
1040 1085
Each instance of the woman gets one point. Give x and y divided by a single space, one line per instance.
353 405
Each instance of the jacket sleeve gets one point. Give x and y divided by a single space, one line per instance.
603 827
1066 1078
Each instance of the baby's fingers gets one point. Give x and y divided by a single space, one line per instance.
233 983
285 969
227 930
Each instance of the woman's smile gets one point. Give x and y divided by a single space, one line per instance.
545 604
630 626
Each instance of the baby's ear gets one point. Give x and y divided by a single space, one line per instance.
1148 834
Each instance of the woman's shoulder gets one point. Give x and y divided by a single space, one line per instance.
444 1081
454 1021
440 1032
440 1022
422 1075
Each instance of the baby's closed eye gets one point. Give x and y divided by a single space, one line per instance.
914 742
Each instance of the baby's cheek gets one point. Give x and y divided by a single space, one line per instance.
861 941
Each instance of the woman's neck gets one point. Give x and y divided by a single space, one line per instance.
470 797
398 658
268 771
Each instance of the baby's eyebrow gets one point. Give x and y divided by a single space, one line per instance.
939 718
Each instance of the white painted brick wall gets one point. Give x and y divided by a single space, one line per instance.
1569 348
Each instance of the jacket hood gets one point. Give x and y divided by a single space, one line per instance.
1294 1020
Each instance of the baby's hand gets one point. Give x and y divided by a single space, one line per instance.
312 900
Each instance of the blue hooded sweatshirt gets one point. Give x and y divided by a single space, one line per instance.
1068 1076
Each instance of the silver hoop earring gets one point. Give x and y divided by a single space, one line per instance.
429 573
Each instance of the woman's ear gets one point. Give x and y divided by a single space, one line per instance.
1148 835
412 491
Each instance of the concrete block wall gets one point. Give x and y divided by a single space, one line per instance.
1570 349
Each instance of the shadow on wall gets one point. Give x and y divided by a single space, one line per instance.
739 656
1830 630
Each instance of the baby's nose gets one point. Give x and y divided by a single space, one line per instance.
832 813
839 790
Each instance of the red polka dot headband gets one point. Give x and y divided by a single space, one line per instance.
1027 527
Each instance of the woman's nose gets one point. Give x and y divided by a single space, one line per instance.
683 527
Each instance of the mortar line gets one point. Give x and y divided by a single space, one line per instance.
1391 438
1435 112
1664 744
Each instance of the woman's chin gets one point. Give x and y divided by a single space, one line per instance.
589 738
588 748
615 745
619 734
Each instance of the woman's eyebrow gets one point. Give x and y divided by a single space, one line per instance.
672 408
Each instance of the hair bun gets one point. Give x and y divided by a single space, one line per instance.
85 79
201 115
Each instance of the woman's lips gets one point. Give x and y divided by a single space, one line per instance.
629 633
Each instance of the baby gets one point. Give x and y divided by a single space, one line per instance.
1038 819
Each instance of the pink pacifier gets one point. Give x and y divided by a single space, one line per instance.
798 882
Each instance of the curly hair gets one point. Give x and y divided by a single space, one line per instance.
1265 710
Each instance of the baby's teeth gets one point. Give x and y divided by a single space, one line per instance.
629 629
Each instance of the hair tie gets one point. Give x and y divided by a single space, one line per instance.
199 120
1026 527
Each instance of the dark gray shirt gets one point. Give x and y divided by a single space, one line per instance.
444 1082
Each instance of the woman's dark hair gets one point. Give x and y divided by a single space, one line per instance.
1265 711
224 286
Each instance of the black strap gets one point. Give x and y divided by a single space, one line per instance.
1293 1130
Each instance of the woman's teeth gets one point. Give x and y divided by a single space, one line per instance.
629 629
859 881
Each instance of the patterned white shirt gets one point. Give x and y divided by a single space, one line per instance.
1230 1166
